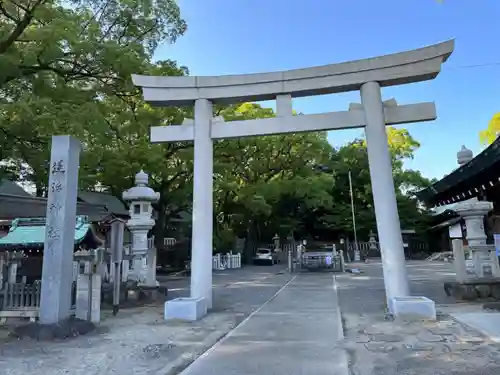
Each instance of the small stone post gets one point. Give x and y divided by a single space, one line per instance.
357 253
82 310
2 265
276 240
141 222
12 271
342 261
88 286
126 263
83 285
459 260
372 240
298 258
95 294
290 260
117 229
344 249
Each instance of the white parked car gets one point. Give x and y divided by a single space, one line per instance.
265 256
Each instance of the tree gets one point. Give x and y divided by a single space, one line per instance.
491 133
353 157
263 183
114 154
60 60
94 41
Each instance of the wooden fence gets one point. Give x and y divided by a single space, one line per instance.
366 250
21 300
21 296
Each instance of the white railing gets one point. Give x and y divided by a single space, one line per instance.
217 262
233 260
151 242
229 260
169 242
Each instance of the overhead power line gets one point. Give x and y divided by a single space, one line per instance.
472 66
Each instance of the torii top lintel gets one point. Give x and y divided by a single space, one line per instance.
396 69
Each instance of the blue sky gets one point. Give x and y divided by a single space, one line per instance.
246 36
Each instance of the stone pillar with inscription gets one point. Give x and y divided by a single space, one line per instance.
59 243
141 222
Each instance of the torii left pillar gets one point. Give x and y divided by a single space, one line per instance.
202 231
199 131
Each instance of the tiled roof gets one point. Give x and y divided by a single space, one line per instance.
9 187
14 206
470 177
112 203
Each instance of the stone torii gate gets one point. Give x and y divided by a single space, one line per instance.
367 75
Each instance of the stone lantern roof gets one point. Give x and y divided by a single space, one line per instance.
141 192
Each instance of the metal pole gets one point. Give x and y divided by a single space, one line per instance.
356 249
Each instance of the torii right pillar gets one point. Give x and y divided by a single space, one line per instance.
384 194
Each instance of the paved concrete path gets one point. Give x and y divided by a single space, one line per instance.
295 332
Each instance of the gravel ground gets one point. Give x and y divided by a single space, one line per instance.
138 341
378 346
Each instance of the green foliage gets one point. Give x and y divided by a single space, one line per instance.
490 134
254 176
353 157
62 62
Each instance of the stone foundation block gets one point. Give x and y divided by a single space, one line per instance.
471 290
484 291
495 291
186 309
420 308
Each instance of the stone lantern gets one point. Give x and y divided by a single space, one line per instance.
473 212
140 223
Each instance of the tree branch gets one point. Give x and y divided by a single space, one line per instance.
7 14
20 27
